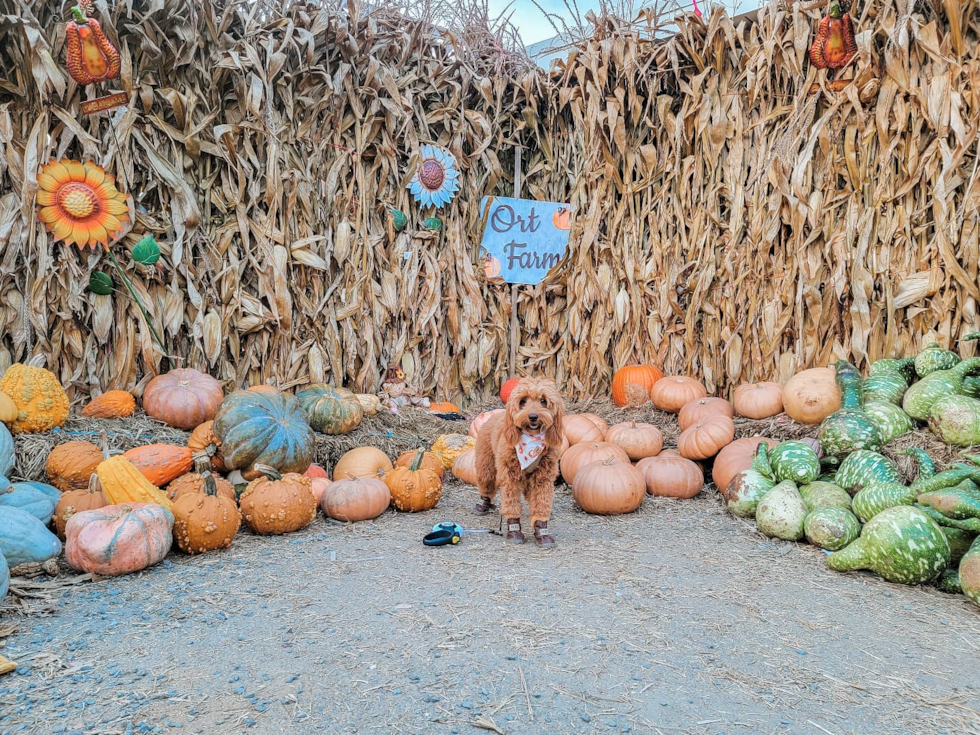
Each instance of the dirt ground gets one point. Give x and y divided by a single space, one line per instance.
676 618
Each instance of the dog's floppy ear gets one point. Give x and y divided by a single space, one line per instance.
554 436
509 431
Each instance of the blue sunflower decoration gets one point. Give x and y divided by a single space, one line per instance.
437 180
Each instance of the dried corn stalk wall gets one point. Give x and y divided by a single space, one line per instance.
728 224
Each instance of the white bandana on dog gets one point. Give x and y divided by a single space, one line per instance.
530 450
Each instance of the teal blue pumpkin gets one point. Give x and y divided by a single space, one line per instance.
7 456
331 410
50 490
256 427
24 539
4 577
21 495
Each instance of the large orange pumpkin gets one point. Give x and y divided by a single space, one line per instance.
758 400
638 440
701 408
118 539
609 488
812 395
707 437
580 455
362 462
161 463
735 458
481 419
580 429
356 499
671 393
183 398
115 404
205 520
414 488
631 385
672 476
277 504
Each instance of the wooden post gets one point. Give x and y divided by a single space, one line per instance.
513 286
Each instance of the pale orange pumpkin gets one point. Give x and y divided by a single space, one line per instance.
183 398
672 476
118 539
735 458
758 400
812 395
315 470
700 408
578 429
671 393
609 488
319 485
356 499
631 385
362 462
414 489
464 468
707 437
598 421
429 461
480 420
638 440
579 455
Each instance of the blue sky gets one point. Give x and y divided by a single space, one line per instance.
530 21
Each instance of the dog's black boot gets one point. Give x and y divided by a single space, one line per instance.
514 535
541 537
484 506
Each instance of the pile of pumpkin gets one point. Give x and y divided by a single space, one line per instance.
121 513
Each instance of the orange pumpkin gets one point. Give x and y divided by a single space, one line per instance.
609 488
580 455
319 486
414 488
701 408
631 385
362 462
205 520
598 421
76 501
812 395
429 461
443 407
277 504
118 539
671 393
315 470
707 437
638 440
491 266
270 390
758 400
507 388
194 482
69 466
202 439
735 458
580 429
672 476
464 468
480 420
161 463
562 218
115 404
356 499
183 398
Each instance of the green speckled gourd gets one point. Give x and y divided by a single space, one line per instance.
971 386
969 570
794 460
921 397
956 420
781 512
871 501
901 544
949 582
885 387
890 419
746 490
831 528
825 495
760 460
959 540
905 367
863 469
969 524
927 468
947 478
850 428
959 503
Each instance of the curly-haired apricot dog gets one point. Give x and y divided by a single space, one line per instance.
518 452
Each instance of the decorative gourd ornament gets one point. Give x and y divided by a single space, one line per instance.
115 404
414 489
362 462
91 57
578 429
161 463
638 440
609 488
834 46
758 400
449 446
70 465
429 461
202 439
331 410
631 385
77 501
41 401
183 398
259 428
672 393
277 504
194 482
464 468
205 520
118 539
702 408
580 455
356 499
672 476
8 409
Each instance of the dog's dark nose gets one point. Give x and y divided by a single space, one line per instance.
533 417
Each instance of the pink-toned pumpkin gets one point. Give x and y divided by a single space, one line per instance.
707 437
671 393
758 400
183 398
480 420
672 476
315 470
356 499
609 488
118 539
318 485
598 421
638 440
464 468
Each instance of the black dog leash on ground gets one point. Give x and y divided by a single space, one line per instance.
449 533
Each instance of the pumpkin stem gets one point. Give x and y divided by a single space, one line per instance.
94 486
210 484
271 472
202 462
417 460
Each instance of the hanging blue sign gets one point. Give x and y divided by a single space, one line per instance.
523 239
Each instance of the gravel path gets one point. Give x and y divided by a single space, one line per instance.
677 618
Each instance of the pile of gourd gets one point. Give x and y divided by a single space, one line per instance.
118 513
842 495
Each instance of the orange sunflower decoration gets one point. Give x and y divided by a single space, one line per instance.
80 204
